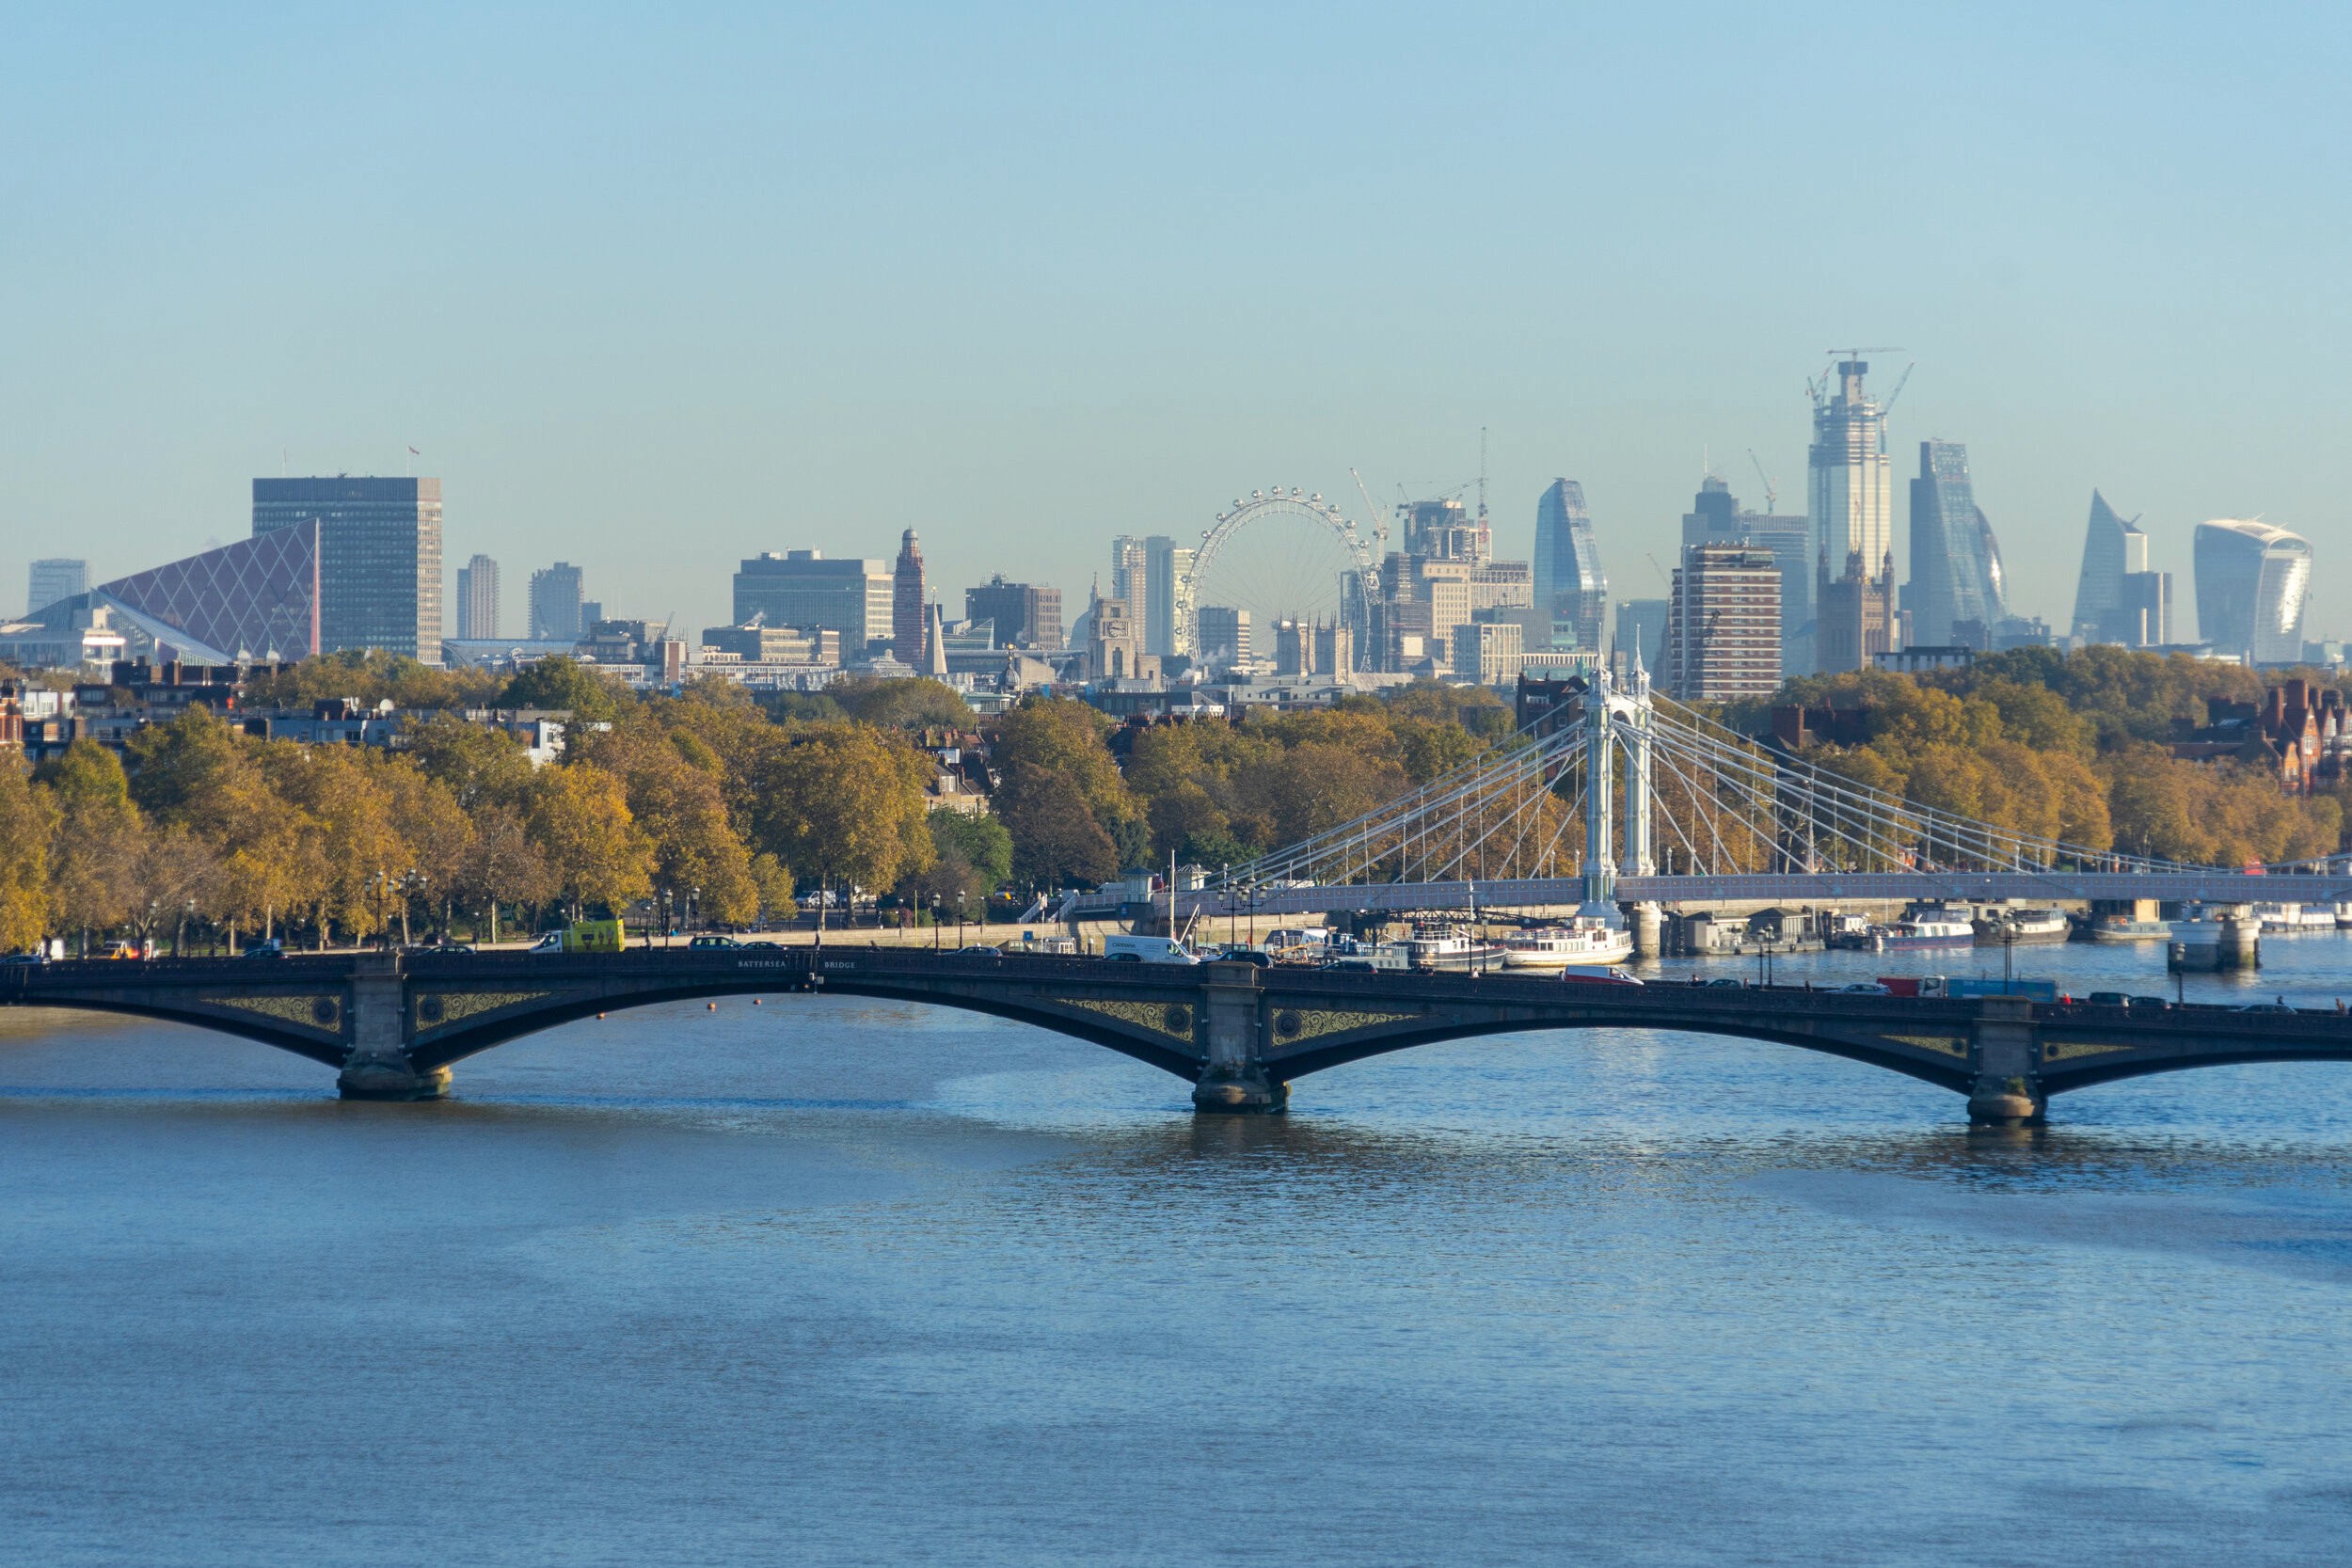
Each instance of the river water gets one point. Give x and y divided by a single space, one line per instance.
844 1282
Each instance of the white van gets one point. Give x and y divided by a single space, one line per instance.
1149 950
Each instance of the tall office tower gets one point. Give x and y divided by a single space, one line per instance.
1854 617
556 601
1221 638
478 597
2113 549
1851 486
801 588
1571 586
1714 518
1723 624
1955 563
56 579
2251 581
380 557
1642 627
1168 569
906 603
1026 616
1131 572
1335 647
1789 537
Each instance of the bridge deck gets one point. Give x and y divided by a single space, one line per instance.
423 1012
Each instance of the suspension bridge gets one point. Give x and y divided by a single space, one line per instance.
1620 799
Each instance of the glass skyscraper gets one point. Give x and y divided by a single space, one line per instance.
380 557
1852 499
2113 549
2251 581
1955 564
1570 587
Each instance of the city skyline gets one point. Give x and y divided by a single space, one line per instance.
1148 561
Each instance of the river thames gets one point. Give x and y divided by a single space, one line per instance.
845 1282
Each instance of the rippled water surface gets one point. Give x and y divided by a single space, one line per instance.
846 1282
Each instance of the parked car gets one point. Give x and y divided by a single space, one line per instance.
711 942
2151 1002
2264 1008
272 948
2108 999
1735 985
32 958
1864 988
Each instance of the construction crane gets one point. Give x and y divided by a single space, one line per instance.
1661 571
1900 385
1772 495
1814 390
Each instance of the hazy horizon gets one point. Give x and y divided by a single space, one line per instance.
655 291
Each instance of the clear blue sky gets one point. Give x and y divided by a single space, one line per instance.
654 288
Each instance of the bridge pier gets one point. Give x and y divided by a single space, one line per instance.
379 1066
1649 922
1234 1076
2007 1088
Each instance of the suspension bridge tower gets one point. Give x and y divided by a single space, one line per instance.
1618 720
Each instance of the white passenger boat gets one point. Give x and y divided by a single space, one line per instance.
1558 947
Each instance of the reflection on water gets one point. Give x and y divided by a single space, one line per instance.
848 1282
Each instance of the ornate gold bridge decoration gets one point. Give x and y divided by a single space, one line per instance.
311 1012
436 1009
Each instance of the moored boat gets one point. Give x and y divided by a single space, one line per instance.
2117 929
1925 926
1557 947
2287 919
2021 925
1450 947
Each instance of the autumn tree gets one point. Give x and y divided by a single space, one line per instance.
596 853
96 833
26 821
563 685
1056 838
974 857
844 804
915 703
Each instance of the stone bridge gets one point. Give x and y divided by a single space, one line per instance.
392 1024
